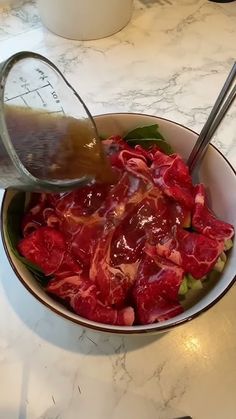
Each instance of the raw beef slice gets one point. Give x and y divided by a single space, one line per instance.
194 252
171 174
155 292
205 222
83 297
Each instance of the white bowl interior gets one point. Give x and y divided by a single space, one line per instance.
214 172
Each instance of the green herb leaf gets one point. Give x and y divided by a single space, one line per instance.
14 216
148 136
13 232
149 131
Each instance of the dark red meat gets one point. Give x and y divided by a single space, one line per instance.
112 147
113 281
123 197
137 167
205 222
83 243
194 252
73 208
44 247
83 297
69 266
171 174
145 153
130 235
82 202
155 291
111 247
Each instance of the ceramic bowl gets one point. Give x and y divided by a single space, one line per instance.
215 172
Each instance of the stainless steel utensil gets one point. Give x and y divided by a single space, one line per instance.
218 112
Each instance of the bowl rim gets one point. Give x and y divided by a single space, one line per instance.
109 328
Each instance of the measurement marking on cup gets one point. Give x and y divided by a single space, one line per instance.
43 101
26 104
26 93
43 76
55 96
25 84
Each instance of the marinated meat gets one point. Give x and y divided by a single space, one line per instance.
82 296
171 174
155 291
205 222
118 252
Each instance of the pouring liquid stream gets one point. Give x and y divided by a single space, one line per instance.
57 148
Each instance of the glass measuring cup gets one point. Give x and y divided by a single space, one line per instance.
29 81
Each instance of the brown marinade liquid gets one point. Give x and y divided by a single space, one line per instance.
53 147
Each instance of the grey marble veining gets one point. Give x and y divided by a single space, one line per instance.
18 18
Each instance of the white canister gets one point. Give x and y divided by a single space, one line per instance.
85 19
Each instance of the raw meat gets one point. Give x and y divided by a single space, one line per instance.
118 252
44 247
155 291
171 174
114 282
205 222
194 252
83 243
82 296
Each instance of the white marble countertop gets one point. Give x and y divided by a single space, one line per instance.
171 60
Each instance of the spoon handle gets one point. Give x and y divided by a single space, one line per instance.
219 110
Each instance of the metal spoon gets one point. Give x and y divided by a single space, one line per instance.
218 112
